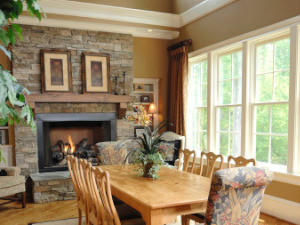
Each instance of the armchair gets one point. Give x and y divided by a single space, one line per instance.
12 184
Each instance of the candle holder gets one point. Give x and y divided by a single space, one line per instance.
124 74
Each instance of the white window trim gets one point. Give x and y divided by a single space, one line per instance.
247 42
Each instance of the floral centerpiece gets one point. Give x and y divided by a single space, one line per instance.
148 158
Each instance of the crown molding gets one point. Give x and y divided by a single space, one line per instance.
202 9
79 25
99 11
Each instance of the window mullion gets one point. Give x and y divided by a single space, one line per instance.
245 126
211 112
294 104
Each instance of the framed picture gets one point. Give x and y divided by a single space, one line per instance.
145 98
138 131
96 72
56 71
139 87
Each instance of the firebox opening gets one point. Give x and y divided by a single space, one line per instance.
60 135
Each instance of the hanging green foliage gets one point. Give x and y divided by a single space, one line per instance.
13 105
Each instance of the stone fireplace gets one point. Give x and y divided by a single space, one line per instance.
62 134
26 68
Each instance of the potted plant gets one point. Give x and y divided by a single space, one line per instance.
13 105
148 158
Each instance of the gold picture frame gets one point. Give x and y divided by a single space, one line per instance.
96 72
139 87
56 71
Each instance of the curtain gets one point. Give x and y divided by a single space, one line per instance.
178 83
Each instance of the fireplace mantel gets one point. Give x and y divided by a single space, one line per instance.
120 100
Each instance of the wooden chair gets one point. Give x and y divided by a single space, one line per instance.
240 161
184 160
78 183
235 197
102 210
211 159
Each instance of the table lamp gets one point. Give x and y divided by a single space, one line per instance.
152 110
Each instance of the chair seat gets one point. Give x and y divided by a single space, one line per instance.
10 181
125 212
133 222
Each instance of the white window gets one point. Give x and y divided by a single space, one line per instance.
197 113
229 103
272 66
244 98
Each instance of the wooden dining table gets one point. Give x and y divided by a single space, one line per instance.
159 201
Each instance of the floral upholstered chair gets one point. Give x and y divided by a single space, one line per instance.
111 152
235 197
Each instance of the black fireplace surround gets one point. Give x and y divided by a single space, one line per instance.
104 122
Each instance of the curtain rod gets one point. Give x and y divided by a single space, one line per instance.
187 42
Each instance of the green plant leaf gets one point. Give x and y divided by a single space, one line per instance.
11 35
4 37
3 93
18 30
12 96
7 52
3 21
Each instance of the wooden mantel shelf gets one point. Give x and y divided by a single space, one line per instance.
121 100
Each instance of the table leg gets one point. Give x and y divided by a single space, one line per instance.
154 217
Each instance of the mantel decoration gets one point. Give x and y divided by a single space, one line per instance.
12 94
148 158
96 72
56 71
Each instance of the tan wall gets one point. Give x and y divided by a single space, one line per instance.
235 19
153 5
150 60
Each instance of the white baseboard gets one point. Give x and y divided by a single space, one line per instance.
281 208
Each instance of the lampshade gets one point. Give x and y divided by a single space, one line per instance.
152 108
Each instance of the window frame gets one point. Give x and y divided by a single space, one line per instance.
253 103
247 42
216 104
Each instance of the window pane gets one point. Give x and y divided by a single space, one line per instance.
280 115
282 81
204 95
237 91
264 58
225 67
237 64
203 141
225 92
235 119
203 119
204 71
264 87
262 148
223 143
236 144
224 119
282 54
279 146
262 119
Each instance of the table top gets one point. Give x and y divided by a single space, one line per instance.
173 188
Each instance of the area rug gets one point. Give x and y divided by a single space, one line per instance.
73 221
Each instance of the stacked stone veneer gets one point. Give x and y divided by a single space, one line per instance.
26 68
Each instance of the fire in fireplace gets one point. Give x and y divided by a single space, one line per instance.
82 150
75 134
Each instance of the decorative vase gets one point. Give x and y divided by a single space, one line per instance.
147 168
